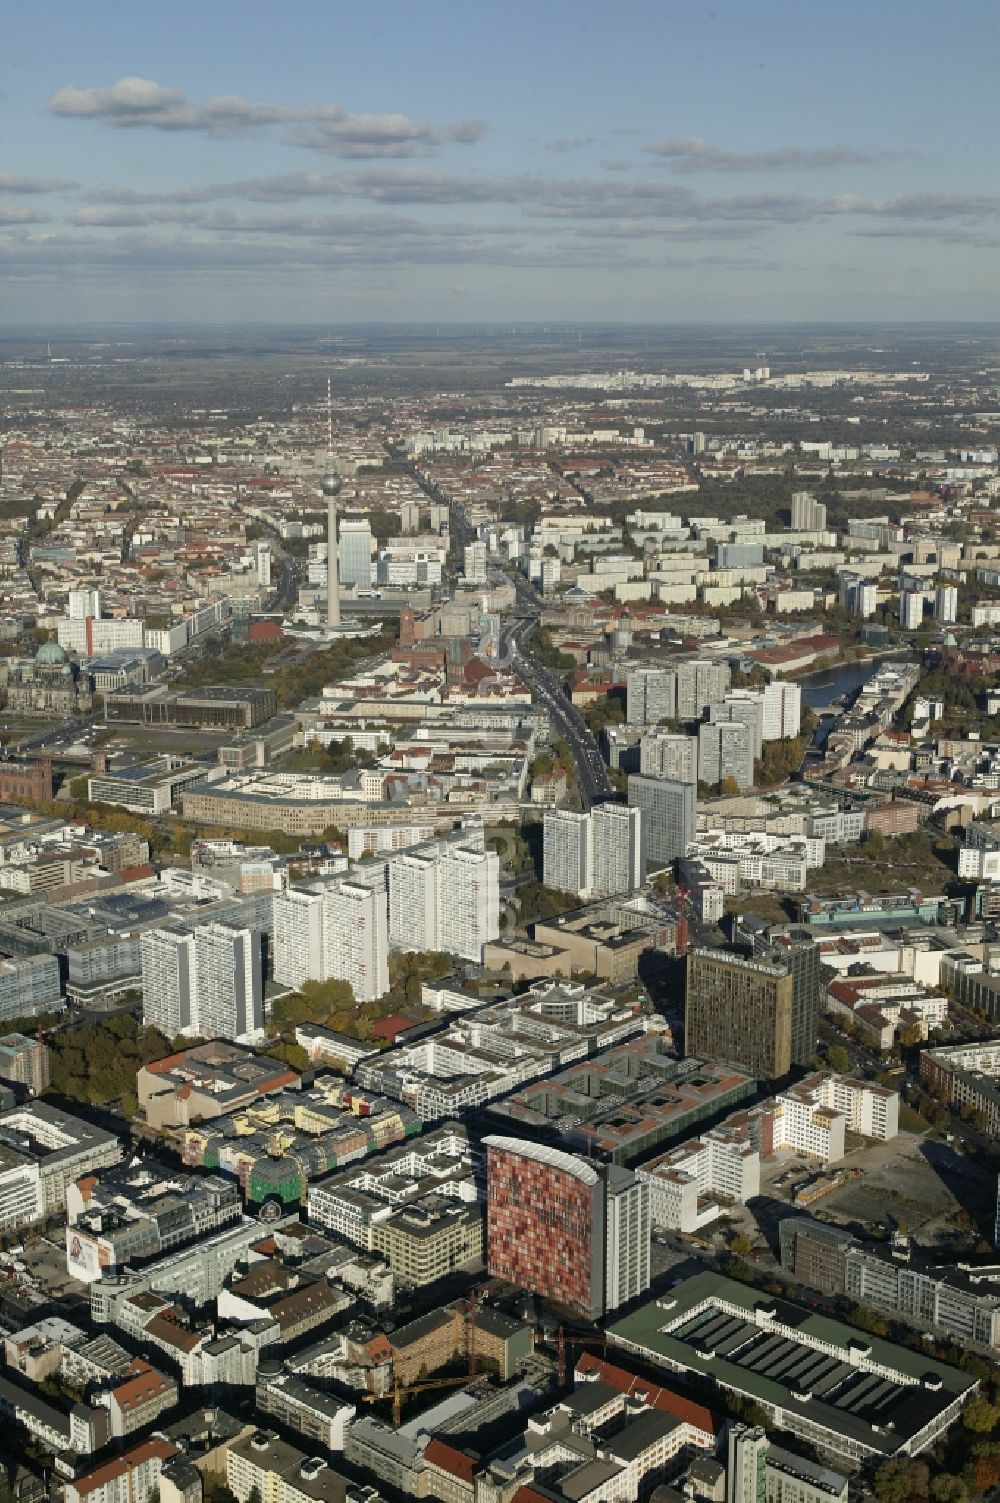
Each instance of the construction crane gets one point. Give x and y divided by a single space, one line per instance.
566 1339
402 1391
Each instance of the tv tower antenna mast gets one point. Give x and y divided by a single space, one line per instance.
331 485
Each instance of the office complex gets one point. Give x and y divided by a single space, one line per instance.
570 1231
356 553
739 1010
29 985
207 981
226 706
42 1150
207 1081
796 951
758 1471
862 1400
668 816
138 1211
24 1061
949 1300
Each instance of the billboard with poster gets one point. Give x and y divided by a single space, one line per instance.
82 1260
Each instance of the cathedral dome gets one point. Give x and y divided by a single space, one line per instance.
50 655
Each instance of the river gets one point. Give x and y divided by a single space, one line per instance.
822 688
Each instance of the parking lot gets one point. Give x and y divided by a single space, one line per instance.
45 1261
898 1183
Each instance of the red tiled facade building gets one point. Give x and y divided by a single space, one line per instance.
545 1223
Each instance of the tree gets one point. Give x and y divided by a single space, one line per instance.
729 788
980 1416
946 1488
901 1480
874 842
837 1059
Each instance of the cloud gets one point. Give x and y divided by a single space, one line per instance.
686 154
10 183
566 143
361 245
616 164
943 234
925 207
20 216
342 135
139 103
538 198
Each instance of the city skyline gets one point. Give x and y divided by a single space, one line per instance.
648 163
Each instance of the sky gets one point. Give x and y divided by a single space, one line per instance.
639 161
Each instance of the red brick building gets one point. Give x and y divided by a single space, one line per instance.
24 782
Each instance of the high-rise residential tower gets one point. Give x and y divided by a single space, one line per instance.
167 958
651 695
665 754
336 931
725 751
229 981
567 851
619 863
207 981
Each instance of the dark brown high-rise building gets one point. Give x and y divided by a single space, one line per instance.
739 1010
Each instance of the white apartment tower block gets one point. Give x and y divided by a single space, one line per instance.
335 932
618 857
208 982
229 982
627 1238
567 851
356 938
469 902
782 710
444 897
664 754
298 937
167 957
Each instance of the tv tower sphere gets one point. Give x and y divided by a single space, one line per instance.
331 484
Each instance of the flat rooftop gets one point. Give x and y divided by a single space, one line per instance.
877 1394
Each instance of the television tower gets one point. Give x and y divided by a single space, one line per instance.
331 485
